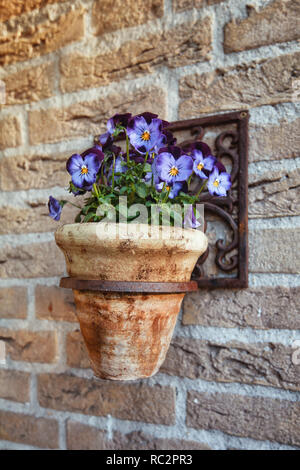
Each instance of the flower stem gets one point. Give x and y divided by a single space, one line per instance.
167 195
201 189
127 147
75 205
96 191
113 173
145 160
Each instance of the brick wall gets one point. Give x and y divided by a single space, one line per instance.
228 381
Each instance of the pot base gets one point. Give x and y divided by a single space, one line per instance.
127 335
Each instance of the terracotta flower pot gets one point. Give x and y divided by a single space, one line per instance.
128 335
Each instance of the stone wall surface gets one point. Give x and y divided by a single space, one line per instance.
231 378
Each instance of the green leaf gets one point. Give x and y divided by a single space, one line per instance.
89 216
147 167
142 190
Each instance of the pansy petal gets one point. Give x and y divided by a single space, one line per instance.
209 162
92 161
164 162
74 163
197 155
185 167
78 179
155 125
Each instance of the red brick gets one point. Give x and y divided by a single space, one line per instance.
54 303
77 355
244 416
14 385
108 16
29 346
25 429
99 398
13 302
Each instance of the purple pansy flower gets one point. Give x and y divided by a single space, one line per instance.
54 208
202 165
117 120
145 132
174 189
171 170
83 169
219 181
190 220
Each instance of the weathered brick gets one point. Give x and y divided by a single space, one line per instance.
277 22
181 5
30 346
25 429
273 250
30 261
89 118
92 397
273 142
54 303
14 385
10 132
13 302
261 307
240 415
263 82
258 363
33 84
77 355
184 45
138 440
34 219
34 171
274 194
17 7
40 32
82 437
109 16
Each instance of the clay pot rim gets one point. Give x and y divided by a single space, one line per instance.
86 234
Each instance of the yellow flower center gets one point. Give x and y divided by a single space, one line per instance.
174 171
168 188
146 135
84 170
200 166
216 183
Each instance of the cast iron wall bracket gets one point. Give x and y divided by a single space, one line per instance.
231 258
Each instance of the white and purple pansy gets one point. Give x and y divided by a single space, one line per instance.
219 181
171 170
202 165
84 168
145 133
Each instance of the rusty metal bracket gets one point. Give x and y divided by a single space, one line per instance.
130 287
231 258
